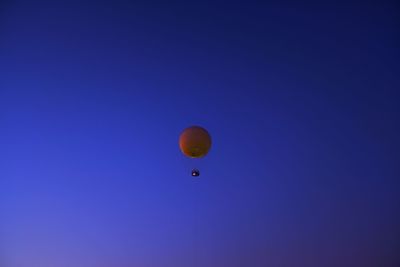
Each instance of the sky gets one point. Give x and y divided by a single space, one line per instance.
301 101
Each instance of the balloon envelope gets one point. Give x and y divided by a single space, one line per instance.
195 142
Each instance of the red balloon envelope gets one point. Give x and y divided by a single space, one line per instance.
195 142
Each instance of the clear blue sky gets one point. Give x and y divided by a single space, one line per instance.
302 102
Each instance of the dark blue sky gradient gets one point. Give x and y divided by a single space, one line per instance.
302 102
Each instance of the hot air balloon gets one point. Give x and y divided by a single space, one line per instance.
195 142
